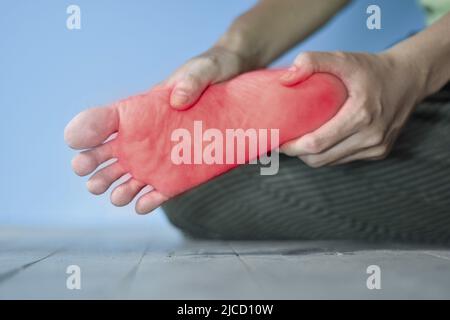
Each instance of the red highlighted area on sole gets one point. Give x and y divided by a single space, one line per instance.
169 149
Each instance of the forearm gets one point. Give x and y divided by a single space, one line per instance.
272 27
429 55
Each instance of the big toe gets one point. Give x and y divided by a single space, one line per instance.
91 127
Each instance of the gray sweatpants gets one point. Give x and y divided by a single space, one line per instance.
403 198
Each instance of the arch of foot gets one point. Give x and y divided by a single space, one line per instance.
165 148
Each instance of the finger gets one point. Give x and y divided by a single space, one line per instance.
308 63
150 201
345 148
362 140
370 154
332 132
191 85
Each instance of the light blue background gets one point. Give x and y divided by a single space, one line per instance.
48 74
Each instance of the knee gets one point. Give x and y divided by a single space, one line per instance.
212 210
189 223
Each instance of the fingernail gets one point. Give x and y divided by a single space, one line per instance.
290 74
179 98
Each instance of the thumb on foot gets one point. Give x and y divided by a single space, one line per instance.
306 64
188 90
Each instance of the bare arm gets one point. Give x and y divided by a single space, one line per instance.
430 51
383 91
272 27
253 40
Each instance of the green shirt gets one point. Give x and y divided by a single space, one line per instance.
435 9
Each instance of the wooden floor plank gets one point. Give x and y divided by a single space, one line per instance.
147 265
404 274
105 259
197 270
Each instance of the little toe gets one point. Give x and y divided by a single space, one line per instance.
86 162
125 193
150 201
104 178
91 127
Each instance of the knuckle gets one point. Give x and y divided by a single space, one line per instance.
382 151
364 117
288 150
305 58
312 161
190 83
316 165
376 138
340 54
378 110
210 60
313 144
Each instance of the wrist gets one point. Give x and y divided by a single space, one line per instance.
412 71
240 42
427 54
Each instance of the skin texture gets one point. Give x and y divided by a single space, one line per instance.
383 88
144 125
255 39
371 118
383 91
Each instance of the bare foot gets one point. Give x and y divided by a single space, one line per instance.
144 124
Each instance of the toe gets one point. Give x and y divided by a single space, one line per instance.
91 127
87 161
150 201
104 178
125 193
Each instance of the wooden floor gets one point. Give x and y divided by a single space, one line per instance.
146 264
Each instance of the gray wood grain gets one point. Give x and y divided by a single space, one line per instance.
147 264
